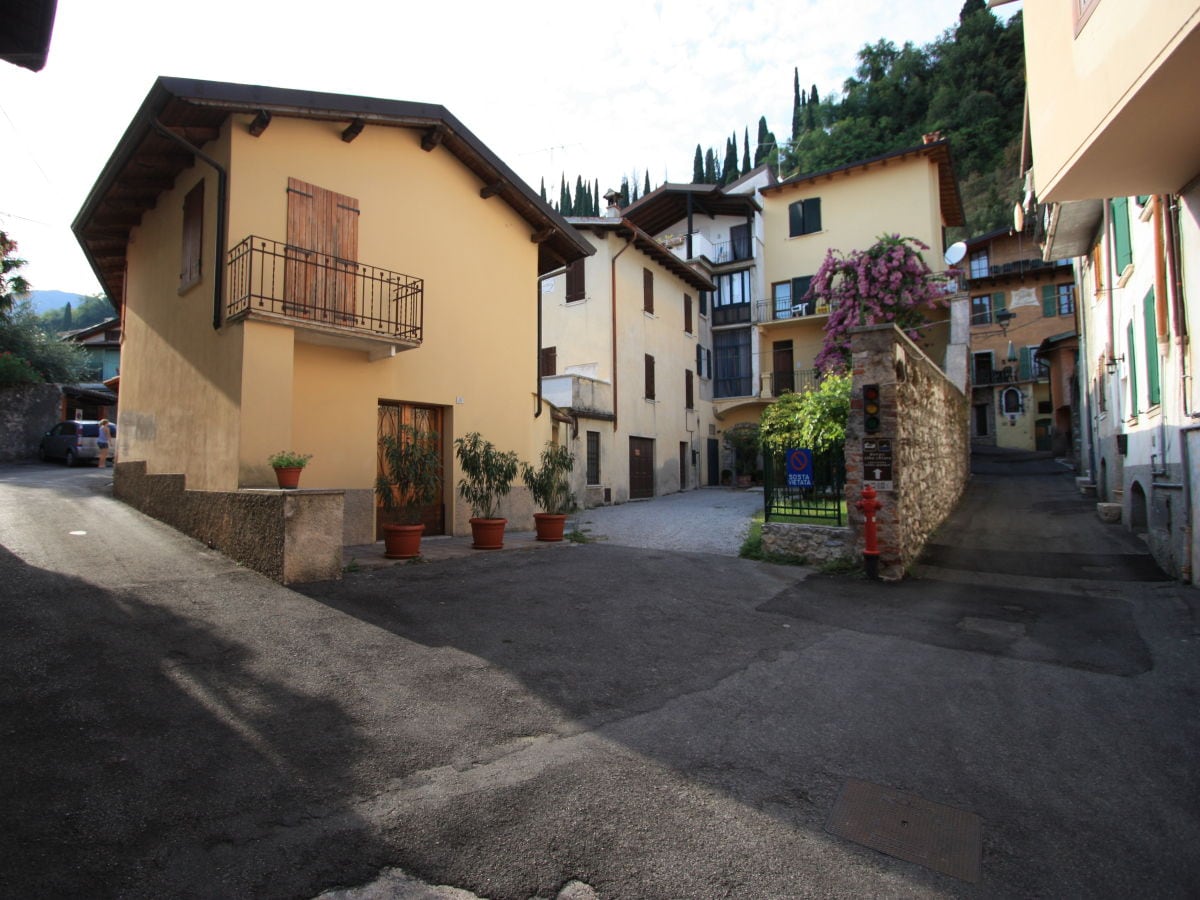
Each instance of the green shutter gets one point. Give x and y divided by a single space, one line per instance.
1026 370
1152 383
998 301
1049 300
1131 351
1122 248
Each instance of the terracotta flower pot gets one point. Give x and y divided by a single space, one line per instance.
288 476
550 526
488 534
402 541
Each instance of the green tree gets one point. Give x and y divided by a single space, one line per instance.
814 420
797 104
746 167
67 325
13 286
22 337
542 190
698 167
729 170
761 150
581 204
646 189
711 174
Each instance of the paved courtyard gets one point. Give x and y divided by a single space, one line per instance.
709 520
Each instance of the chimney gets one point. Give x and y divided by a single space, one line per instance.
614 208
932 138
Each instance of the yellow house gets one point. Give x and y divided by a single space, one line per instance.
626 354
304 271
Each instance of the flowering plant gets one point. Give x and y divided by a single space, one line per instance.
289 459
888 282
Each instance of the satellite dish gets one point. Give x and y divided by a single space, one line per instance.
955 253
1018 217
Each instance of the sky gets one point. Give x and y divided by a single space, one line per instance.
602 90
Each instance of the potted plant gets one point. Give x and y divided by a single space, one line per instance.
409 480
288 464
487 476
551 490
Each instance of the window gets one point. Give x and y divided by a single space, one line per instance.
802 305
781 299
1058 300
687 313
549 361
649 377
704 303
575 281
979 264
1032 367
193 237
804 217
981 310
593 457
983 367
1122 248
1131 352
732 373
1153 387
739 240
703 362
647 291
1011 401
689 389
731 304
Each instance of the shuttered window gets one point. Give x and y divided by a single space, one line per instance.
322 237
647 290
1122 247
549 361
1049 300
1131 352
704 303
593 457
575 281
687 313
804 217
689 390
193 237
649 377
1153 388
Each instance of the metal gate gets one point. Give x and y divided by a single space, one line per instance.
820 498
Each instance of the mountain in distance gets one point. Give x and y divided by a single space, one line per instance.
44 301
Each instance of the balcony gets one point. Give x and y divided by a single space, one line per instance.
797 381
328 300
730 314
584 396
977 273
769 311
719 253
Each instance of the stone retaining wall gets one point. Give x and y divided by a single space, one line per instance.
290 536
815 544
27 411
925 419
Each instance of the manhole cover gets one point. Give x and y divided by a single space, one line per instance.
908 827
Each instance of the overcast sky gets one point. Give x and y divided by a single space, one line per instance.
595 89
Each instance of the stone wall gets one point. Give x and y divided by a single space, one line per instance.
815 544
289 535
925 420
27 412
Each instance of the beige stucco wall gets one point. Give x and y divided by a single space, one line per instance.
1097 98
257 387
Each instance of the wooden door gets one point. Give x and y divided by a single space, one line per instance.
784 370
641 468
423 418
683 469
322 253
714 462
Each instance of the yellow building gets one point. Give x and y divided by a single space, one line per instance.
626 354
303 271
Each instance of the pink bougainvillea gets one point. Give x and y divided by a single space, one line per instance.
888 282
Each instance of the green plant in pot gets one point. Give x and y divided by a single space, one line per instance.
550 486
487 476
410 479
288 464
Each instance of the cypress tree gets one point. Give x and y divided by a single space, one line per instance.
624 200
542 189
581 204
729 169
746 151
761 151
698 167
810 110
647 188
596 199
710 167
66 322
797 110
564 196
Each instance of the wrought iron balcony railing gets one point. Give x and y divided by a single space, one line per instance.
798 381
309 286
772 311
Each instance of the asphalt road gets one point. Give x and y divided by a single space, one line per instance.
595 720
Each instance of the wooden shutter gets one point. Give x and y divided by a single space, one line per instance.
647 290
1122 248
796 218
549 361
575 281
1153 388
689 389
649 377
1049 300
1131 352
704 303
1025 373
322 237
687 313
998 302
812 215
193 237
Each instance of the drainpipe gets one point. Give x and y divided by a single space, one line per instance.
222 216
1160 273
537 412
613 285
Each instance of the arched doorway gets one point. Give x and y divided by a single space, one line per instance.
1137 509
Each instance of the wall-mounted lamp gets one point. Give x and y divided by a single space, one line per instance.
1012 354
1003 317
1111 365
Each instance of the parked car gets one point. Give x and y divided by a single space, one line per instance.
73 441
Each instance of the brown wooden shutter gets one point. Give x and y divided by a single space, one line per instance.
649 377
689 389
575 281
193 237
322 237
648 290
549 363
687 313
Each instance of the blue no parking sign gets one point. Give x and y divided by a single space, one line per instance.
800 468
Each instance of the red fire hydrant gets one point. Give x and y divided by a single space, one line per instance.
869 506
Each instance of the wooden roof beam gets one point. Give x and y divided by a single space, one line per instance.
433 138
260 123
491 190
540 237
353 130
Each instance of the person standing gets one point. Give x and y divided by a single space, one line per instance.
103 437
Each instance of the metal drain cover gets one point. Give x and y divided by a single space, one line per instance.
908 827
